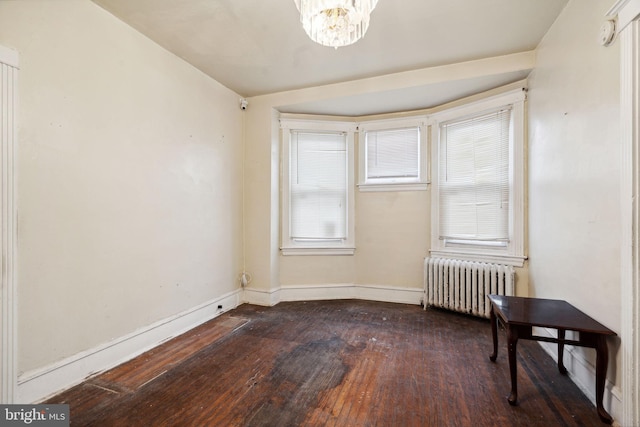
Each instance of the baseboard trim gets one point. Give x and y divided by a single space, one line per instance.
583 374
382 293
36 386
261 297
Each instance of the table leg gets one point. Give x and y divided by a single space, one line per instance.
602 360
561 367
512 337
494 334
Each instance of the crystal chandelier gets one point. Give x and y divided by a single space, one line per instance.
335 23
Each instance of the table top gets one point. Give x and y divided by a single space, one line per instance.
550 313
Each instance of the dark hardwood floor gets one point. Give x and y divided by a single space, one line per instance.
331 363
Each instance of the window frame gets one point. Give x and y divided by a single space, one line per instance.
288 245
514 252
394 184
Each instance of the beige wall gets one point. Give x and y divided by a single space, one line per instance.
129 180
261 195
392 235
393 231
574 164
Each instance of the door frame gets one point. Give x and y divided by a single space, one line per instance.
626 15
8 230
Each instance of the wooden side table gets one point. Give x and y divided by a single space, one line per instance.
519 315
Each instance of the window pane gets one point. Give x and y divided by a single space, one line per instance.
393 153
474 178
318 185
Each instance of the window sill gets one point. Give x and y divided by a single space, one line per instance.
416 186
317 251
515 261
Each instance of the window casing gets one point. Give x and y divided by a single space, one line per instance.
317 190
393 155
478 180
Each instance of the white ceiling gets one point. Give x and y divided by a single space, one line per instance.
258 47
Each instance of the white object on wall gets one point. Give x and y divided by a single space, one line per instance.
607 32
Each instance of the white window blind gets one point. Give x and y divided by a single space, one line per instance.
392 154
318 186
474 179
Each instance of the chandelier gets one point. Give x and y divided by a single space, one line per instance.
335 23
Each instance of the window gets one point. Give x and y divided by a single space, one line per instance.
477 199
393 155
317 211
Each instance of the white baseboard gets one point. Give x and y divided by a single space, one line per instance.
583 374
35 386
413 296
333 292
261 297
